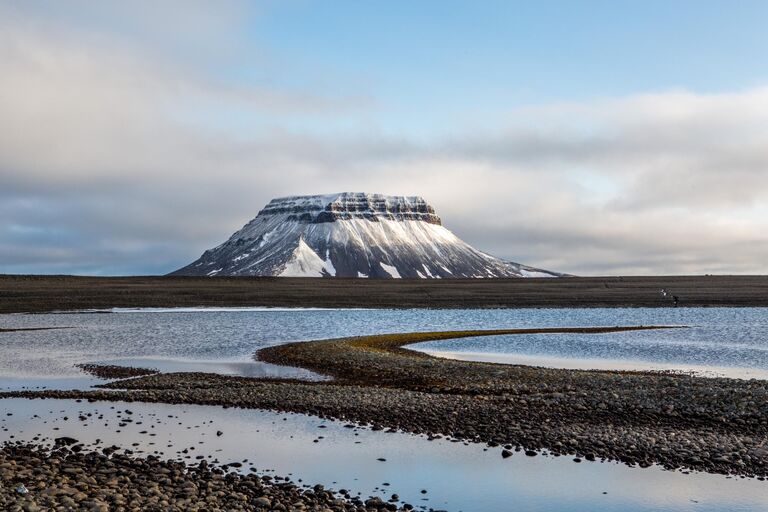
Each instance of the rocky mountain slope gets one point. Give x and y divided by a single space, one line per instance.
351 235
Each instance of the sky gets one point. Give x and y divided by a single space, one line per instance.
587 137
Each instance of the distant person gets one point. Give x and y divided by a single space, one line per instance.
675 300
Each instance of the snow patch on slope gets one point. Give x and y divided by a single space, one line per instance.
304 262
328 263
392 271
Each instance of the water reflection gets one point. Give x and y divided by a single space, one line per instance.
456 476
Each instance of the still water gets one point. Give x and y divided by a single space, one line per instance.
729 341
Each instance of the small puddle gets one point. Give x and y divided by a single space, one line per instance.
455 476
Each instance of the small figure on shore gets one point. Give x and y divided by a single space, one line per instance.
674 300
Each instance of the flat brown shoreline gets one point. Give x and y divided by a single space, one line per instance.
65 293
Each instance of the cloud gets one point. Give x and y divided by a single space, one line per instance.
125 150
655 143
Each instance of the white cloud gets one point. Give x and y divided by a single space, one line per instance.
125 153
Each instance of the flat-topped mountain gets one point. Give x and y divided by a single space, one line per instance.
351 235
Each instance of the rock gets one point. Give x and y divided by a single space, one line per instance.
262 502
375 502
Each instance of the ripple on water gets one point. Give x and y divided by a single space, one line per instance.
718 337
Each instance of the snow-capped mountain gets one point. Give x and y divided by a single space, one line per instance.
351 235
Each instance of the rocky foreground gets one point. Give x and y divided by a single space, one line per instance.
677 421
37 479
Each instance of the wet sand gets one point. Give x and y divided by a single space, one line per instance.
66 293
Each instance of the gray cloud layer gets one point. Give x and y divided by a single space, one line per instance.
125 157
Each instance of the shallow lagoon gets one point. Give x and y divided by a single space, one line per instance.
730 341
456 476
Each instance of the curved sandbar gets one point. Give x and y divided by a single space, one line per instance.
381 360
